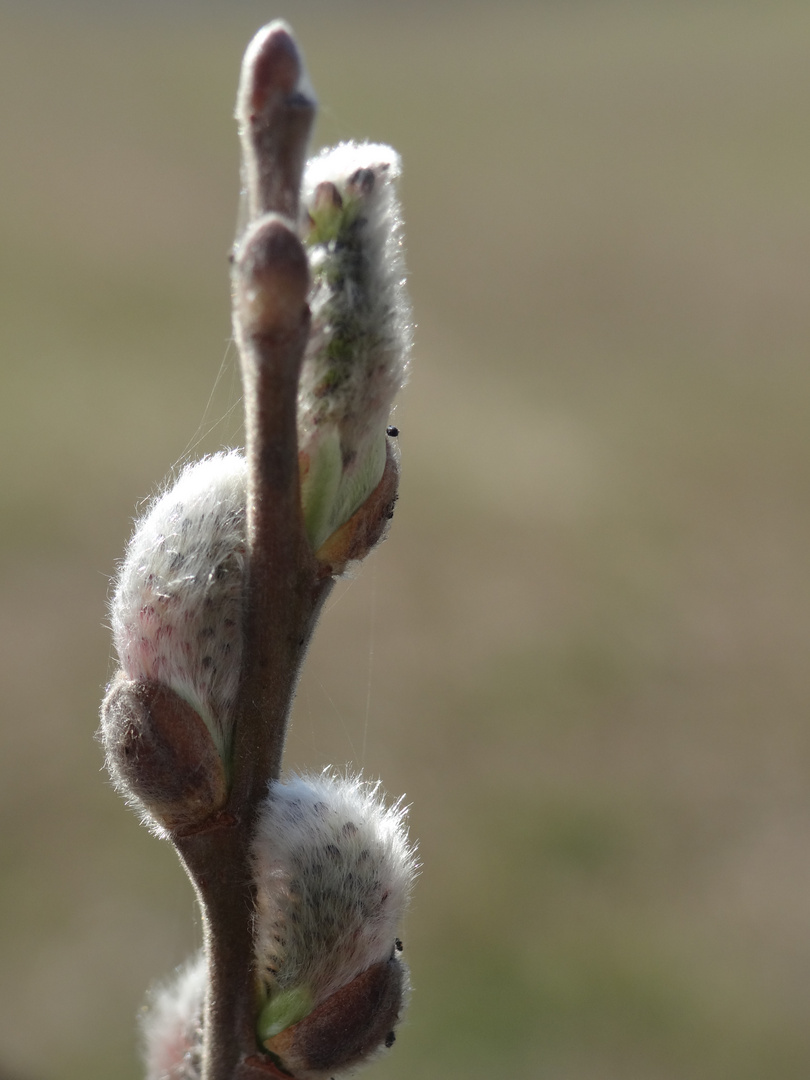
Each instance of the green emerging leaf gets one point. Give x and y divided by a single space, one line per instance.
282 1010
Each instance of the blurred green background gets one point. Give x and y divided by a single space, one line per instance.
583 651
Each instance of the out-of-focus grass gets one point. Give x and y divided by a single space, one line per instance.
583 651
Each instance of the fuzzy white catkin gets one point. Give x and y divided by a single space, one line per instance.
359 284
334 869
171 1025
177 607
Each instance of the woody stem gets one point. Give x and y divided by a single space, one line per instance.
285 589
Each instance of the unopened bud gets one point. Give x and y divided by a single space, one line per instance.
333 871
270 278
172 1025
275 108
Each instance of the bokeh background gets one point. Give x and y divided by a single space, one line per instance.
583 653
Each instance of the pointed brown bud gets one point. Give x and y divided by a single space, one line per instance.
270 278
275 108
272 66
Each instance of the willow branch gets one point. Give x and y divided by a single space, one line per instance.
284 589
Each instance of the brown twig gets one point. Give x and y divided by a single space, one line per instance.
285 585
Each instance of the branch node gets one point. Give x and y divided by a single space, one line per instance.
271 278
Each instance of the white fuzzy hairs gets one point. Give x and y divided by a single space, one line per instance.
357 354
333 870
177 607
171 1024
358 295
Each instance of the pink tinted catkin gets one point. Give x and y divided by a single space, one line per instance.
177 607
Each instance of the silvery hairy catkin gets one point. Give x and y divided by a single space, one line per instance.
333 870
357 355
172 1025
177 607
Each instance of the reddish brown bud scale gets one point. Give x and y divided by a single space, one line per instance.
365 528
259 1067
346 1028
161 754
